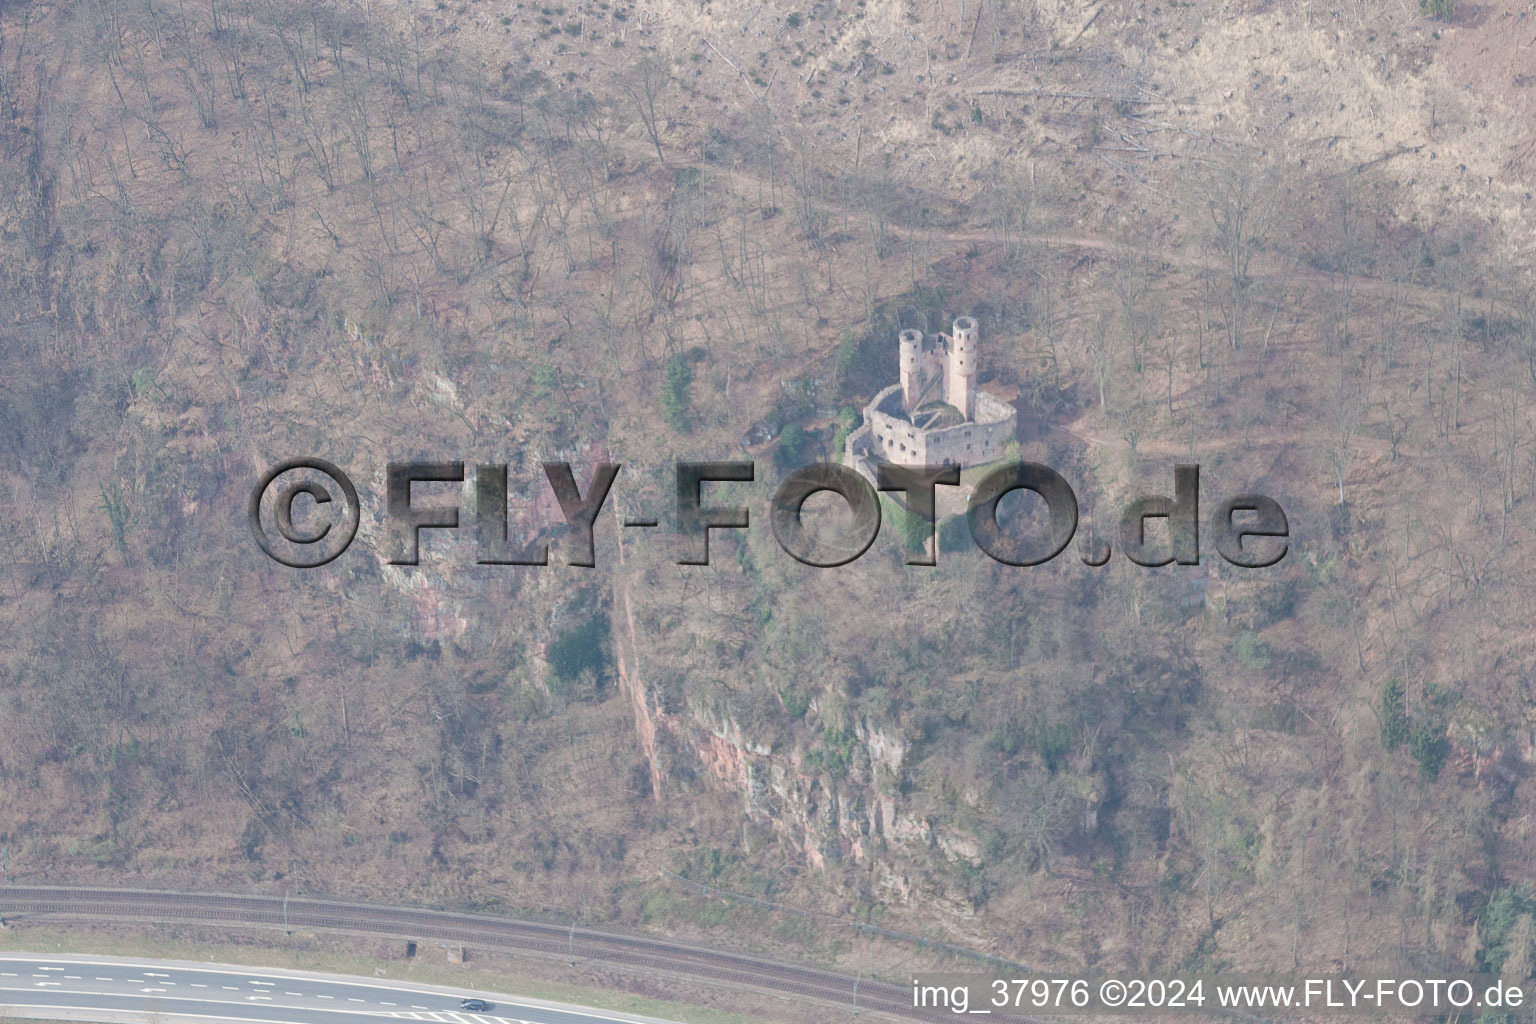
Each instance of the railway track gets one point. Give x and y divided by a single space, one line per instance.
475 931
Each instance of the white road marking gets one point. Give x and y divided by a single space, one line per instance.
229 988
263 983
241 974
50 968
151 990
351 1000
387 1004
293 993
152 974
415 1007
197 985
327 997
72 977
45 984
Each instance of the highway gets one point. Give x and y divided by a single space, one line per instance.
843 995
22 904
114 989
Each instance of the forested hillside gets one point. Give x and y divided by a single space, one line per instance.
1289 243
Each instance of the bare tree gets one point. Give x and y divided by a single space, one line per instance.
1241 201
645 84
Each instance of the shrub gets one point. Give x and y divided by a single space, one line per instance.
143 381
1395 723
834 755
677 393
955 534
1251 651
1052 742
796 703
580 648
791 445
1439 10
847 350
1500 930
1428 744
546 380
914 531
847 423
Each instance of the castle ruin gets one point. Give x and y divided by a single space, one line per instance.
935 415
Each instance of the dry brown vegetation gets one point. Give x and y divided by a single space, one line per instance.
1288 242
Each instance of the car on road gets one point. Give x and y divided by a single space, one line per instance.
477 1005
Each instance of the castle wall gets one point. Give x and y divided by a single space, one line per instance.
895 439
858 453
972 443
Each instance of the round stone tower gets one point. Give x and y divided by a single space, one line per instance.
960 383
911 365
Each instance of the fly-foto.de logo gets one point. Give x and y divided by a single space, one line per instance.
305 512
